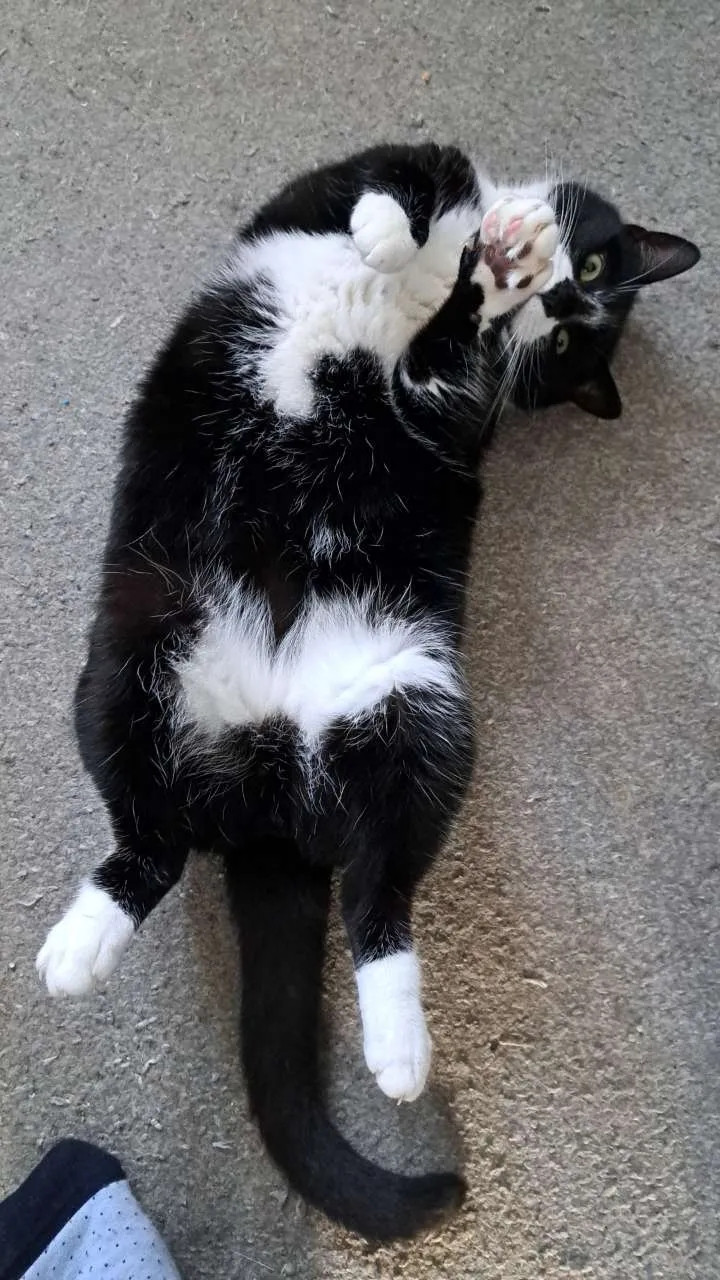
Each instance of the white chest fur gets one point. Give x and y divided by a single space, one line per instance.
326 300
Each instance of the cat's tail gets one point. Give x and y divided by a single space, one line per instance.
282 906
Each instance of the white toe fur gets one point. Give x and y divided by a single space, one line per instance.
85 946
381 231
396 1041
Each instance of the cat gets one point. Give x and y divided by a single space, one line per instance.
275 670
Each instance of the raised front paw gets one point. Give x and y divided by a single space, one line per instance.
85 946
380 228
519 236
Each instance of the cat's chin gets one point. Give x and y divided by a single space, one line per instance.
530 323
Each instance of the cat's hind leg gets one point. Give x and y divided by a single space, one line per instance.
401 787
376 909
121 731
86 945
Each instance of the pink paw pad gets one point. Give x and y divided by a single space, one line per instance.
491 226
517 241
512 228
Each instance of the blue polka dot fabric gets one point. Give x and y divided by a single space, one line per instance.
108 1238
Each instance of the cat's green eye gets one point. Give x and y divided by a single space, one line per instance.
562 341
592 267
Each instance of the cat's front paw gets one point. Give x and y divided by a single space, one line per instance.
380 228
519 236
85 946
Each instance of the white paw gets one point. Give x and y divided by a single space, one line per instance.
399 1055
397 1046
381 231
85 946
520 235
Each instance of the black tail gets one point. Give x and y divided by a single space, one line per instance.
282 907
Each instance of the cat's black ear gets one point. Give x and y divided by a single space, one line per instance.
661 255
598 395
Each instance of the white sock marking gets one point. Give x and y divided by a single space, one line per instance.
85 946
396 1041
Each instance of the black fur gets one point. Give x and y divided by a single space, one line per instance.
213 484
281 910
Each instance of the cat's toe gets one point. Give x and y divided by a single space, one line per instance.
470 256
404 1080
381 231
400 1061
514 220
546 241
84 947
65 969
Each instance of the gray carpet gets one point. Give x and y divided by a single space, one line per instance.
571 935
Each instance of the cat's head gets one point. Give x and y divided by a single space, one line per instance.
562 339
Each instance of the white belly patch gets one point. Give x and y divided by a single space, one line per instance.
340 660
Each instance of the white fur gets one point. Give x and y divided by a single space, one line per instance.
327 542
339 660
381 230
435 388
329 294
324 299
561 268
530 323
228 676
344 661
396 1041
85 946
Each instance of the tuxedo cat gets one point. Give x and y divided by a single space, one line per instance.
274 670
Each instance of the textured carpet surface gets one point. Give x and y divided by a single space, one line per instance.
570 936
